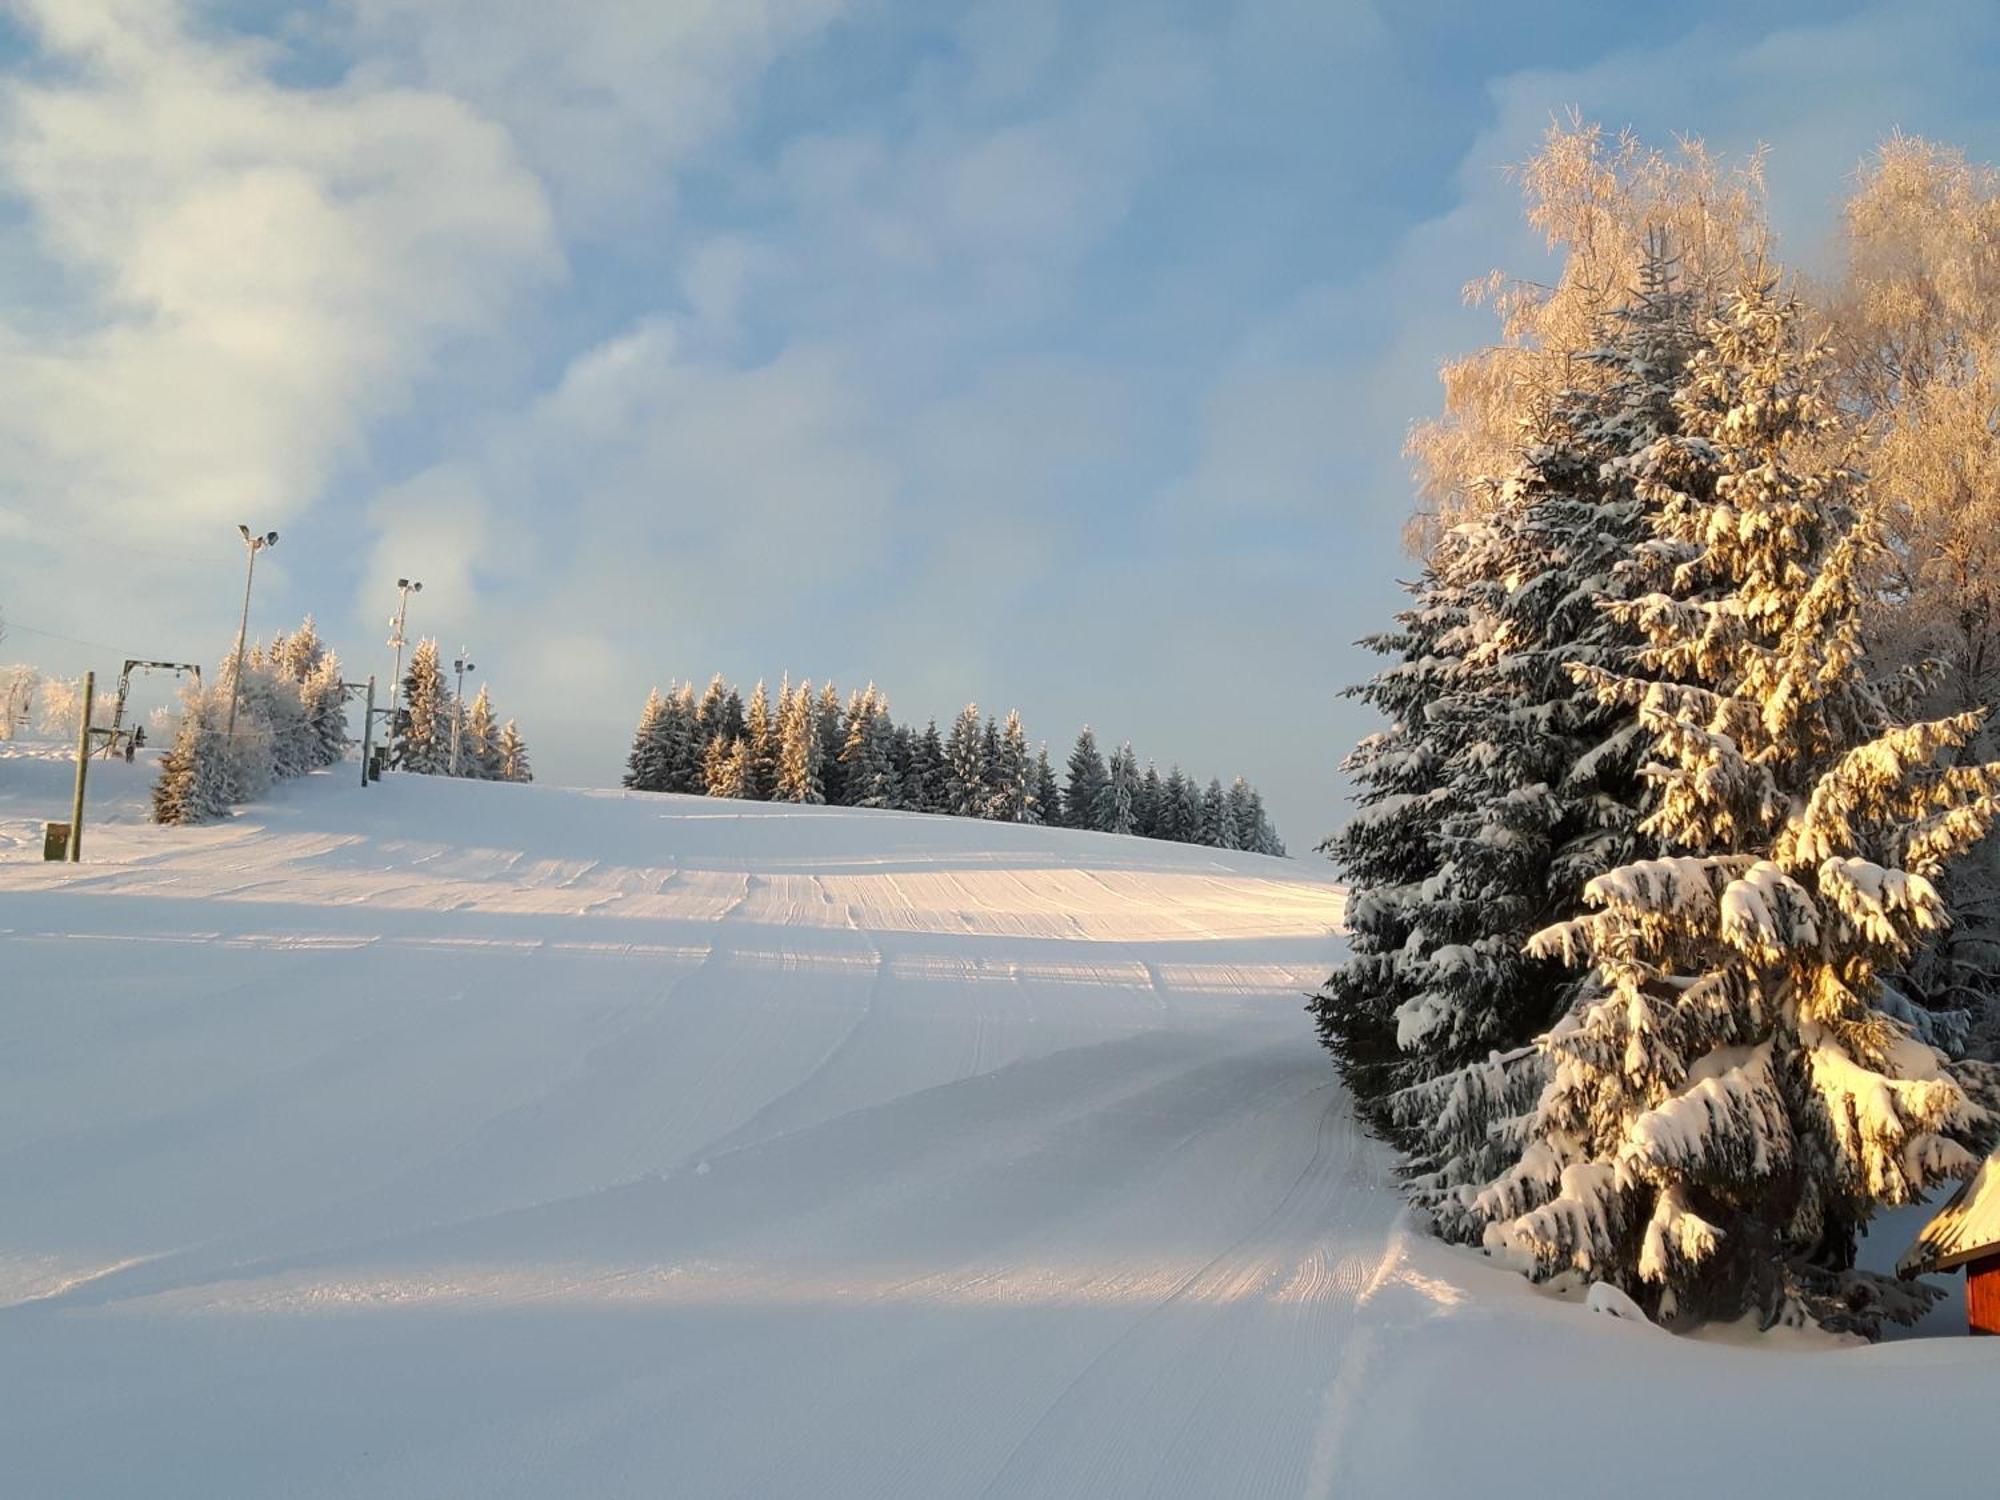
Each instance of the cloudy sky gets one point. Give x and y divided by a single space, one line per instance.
1057 355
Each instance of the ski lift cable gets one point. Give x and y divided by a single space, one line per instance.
10 623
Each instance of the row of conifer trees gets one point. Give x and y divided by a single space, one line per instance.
290 718
430 715
810 747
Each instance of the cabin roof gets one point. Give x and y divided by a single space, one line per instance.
1966 1228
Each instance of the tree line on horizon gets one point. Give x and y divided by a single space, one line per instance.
1674 909
809 747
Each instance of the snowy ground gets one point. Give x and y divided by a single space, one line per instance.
450 1139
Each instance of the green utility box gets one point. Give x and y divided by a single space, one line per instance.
55 841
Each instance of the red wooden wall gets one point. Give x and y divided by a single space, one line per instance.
1982 1294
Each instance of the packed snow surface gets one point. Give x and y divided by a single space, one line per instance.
454 1139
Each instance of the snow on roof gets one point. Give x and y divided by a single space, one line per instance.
1967 1227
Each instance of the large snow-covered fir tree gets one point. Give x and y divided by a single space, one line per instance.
649 767
319 735
1048 791
423 733
274 738
724 768
1114 811
1087 778
325 698
711 714
1732 1097
965 765
930 772
479 740
801 757
1501 785
1214 820
869 774
1179 814
760 748
832 730
514 765
1012 799
196 783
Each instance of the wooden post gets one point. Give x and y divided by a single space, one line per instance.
82 769
368 729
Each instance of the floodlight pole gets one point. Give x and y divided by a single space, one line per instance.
404 588
252 545
461 665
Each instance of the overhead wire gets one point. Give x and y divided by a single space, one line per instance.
7 623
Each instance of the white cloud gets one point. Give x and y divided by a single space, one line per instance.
606 97
650 513
240 277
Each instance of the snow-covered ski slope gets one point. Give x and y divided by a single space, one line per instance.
444 1139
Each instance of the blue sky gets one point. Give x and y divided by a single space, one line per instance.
1054 355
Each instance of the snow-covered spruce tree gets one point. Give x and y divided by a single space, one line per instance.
1241 817
930 771
319 736
1167 816
325 699
1214 814
300 653
801 758
1047 804
1184 821
853 743
1391 852
1252 825
722 768
760 748
710 715
195 782
965 765
1731 1100
273 739
479 747
423 738
686 744
1502 784
1268 841
872 775
989 753
907 795
1147 803
514 764
832 728
647 768
1087 780
1013 795
1114 812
